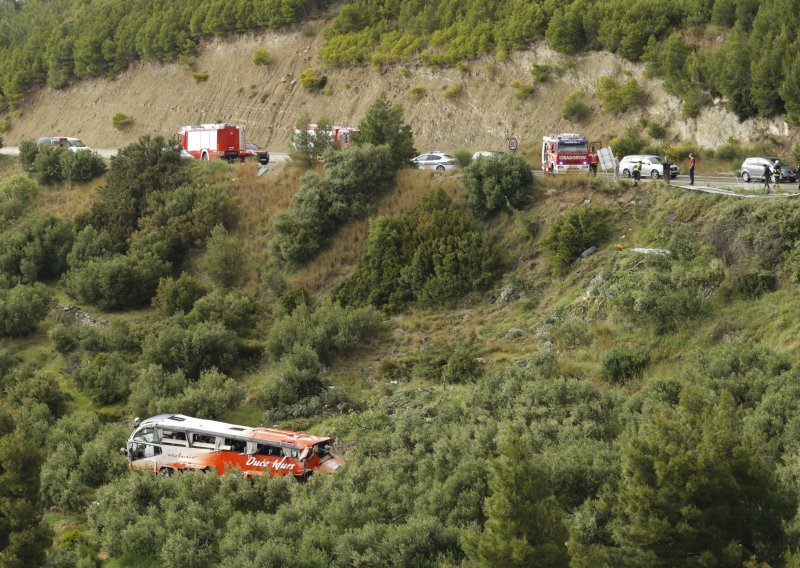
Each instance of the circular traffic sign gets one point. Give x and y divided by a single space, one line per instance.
512 144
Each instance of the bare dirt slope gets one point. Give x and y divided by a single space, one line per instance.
269 99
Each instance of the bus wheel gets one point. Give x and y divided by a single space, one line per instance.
165 472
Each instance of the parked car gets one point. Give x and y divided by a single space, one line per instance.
485 154
652 166
435 160
71 144
753 168
254 151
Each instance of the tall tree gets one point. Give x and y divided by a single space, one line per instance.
696 490
383 124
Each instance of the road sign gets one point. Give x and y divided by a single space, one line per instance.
607 161
512 144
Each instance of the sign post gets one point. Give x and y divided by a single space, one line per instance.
607 160
512 144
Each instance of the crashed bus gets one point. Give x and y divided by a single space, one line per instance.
168 443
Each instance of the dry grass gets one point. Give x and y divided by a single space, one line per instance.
66 202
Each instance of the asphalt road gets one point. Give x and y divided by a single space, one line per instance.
109 152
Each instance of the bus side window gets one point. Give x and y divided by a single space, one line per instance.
291 453
267 450
204 441
174 438
237 446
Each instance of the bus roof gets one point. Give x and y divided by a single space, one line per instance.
271 435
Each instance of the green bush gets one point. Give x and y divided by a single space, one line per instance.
730 152
297 376
431 255
116 282
311 80
416 93
463 157
522 90
261 57
619 100
497 182
328 330
65 338
15 192
191 348
629 143
322 204
35 250
81 167
28 149
121 121
575 110
40 387
452 91
541 72
237 311
682 151
173 296
200 76
89 244
46 166
106 378
383 124
621 364
656 130
753 284
224 261
572 233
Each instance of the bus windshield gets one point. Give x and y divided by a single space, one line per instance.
572 147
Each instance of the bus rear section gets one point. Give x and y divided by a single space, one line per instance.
166 444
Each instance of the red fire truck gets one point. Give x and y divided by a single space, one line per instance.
207 141
562 153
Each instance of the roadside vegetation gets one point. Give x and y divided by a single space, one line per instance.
511 381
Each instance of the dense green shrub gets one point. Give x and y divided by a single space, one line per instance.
22 308
383 124
177 295
449 364
89 244
521 90
463 157
656 129
15 192
121 121
27 154
311 80
191 348
106 378
352 181
629 143
619 100
433 254
237 311
46 167
36 249
753 284
224 260
572 233
261 56
40 387
575 110
200 77
621 364
65 338
157 391
496 182
297 376
148 166
116 282
80 167
117 336
328 330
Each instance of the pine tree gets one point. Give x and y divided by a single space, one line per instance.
383 124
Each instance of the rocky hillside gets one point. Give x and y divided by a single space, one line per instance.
269 99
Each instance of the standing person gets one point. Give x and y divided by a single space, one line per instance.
767 175
691 169
593 160
637 173
777 173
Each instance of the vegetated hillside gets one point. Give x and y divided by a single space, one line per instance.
477 105
498 397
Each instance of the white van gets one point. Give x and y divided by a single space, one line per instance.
71 144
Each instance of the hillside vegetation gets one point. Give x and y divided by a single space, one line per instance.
499 398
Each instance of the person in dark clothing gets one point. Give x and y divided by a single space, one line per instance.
767 176
593 159
691 169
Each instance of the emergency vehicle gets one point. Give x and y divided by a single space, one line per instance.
208 141
168 443
340 135
562 153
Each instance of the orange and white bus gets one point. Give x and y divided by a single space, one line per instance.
168 443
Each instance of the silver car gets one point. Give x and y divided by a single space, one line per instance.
753 168
435 160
